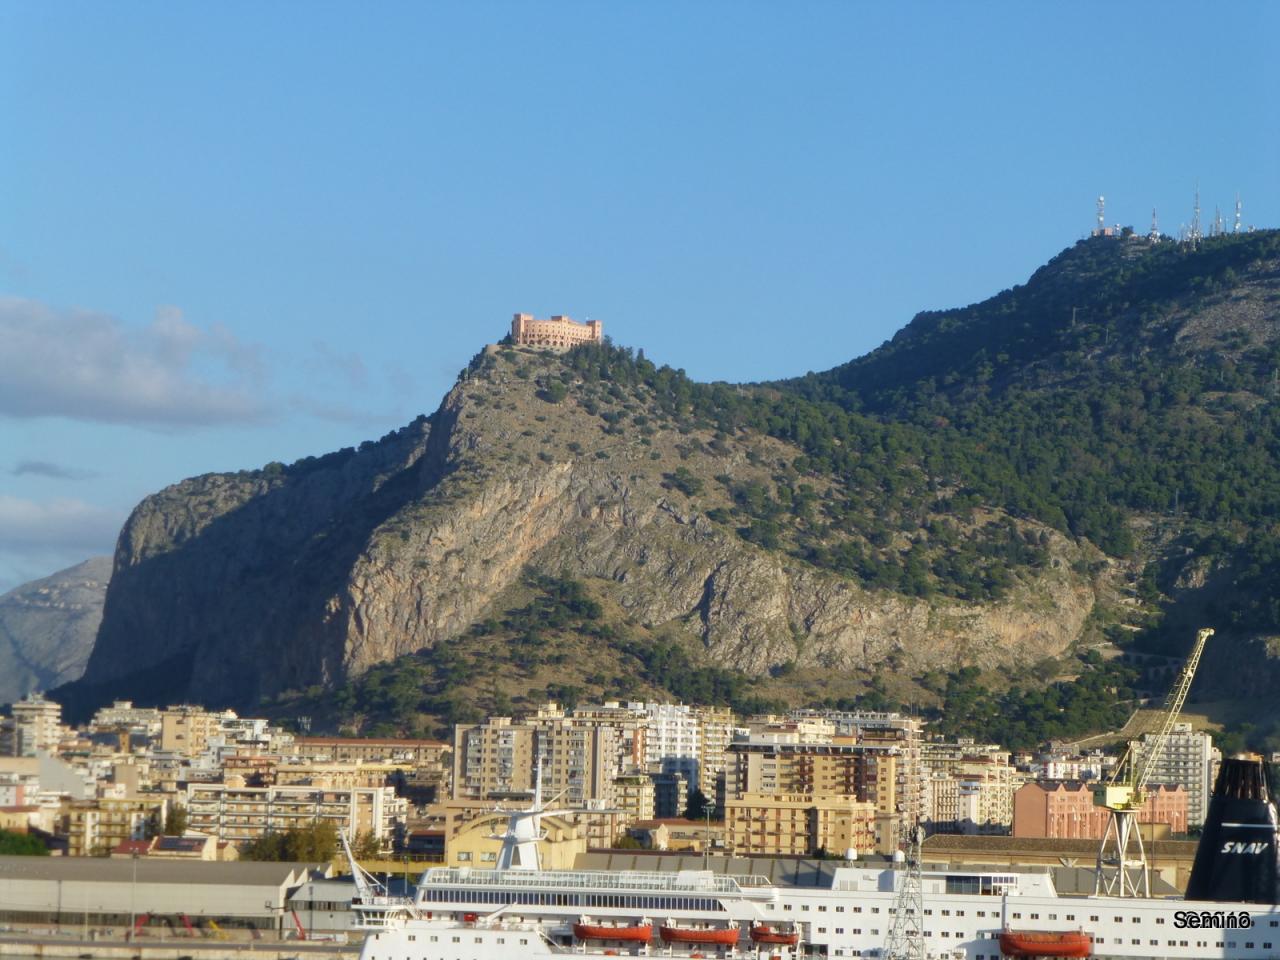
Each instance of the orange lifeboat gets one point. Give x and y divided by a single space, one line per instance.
1044 943
763 933
637 932
721 936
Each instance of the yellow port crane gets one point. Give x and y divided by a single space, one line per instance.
1121 852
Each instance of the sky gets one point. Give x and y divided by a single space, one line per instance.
242 232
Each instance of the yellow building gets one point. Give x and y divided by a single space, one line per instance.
95 827
492 757
476 844
634 796
187 729
866 773
801 824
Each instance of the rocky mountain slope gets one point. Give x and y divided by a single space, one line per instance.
48 626
998 488
230 588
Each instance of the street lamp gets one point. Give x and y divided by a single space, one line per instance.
133 900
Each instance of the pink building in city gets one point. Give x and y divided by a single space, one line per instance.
1064 809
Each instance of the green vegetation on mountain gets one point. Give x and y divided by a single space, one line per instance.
1085 461
556 644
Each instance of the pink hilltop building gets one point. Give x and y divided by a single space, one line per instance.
558 333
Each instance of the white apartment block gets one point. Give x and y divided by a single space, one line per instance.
674 741
239 814
122 714
37 726
1191 760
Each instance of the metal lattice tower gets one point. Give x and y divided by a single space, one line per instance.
1218 227
906 936
1236 228
1102 216
1194 234
1155 226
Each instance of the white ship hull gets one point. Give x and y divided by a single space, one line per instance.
522 914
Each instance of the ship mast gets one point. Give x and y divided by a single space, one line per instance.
906 937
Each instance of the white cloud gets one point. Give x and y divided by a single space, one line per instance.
89 366
68 523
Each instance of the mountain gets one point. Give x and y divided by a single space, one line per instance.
1082 463
47 628
231 588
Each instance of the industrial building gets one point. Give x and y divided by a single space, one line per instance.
91 893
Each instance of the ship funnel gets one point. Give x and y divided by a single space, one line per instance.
1238 860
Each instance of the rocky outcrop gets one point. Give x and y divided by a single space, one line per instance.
47 628
227 588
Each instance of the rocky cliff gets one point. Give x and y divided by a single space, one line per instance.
997 487
230 588
47 628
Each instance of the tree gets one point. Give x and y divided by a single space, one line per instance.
315 842
698 807
367 846
21 844
175 824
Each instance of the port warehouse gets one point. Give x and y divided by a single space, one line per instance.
91 893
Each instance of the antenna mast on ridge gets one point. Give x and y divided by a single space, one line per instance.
1236 228
1194 235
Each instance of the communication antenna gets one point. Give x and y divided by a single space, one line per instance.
1155 226
1236 228
1102 217
1218 229
1194 235
906 939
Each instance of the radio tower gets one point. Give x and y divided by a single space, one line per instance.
1155 227
906 936
1101 231
1194 234
1236 228
1218 227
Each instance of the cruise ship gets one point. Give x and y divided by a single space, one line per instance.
520 912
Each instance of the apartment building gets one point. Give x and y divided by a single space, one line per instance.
805 825
240 814
866 773
635 795
420 753
95 827
1189 759
186 729
123 715
884 729
494 757
968 788
36 725
717 733
579 762
630 723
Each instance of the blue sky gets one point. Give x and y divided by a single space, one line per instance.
242 232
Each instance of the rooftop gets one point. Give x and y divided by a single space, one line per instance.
104 870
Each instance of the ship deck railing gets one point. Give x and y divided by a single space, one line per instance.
595 880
